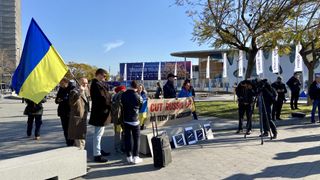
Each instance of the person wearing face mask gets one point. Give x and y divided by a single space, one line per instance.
281 89
100 111
314 93
168 89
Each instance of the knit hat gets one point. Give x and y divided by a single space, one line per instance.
120 88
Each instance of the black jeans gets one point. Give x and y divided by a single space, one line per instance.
276 109
267 118
65 125
195 116
132 133
245 108
38 122
294 100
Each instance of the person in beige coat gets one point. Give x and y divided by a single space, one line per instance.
79 108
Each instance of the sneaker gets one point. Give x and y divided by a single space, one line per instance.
137 160
100 159
37 138
130 159
274 136
248 132
103 153
264 135
239 131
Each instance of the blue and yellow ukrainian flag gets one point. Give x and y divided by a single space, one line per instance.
41 68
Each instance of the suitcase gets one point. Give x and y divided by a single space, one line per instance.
298 114
161 147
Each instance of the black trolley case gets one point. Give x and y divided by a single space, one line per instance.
161 147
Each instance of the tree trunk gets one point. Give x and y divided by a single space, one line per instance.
251 62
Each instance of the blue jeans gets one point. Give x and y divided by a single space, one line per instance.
38 122
316 103
98 133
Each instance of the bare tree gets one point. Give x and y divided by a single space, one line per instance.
248 25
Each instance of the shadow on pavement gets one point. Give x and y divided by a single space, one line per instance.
133 169
305 126
296 170
302 139
301 152
14 141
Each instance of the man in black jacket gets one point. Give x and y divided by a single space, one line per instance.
294 85
100 110
314 93
269 96
132 102
168 89
281 89
62 99
245 95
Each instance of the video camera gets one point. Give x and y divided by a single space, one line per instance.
258 85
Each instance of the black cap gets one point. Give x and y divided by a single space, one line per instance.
170 75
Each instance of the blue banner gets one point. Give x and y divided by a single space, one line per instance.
150 71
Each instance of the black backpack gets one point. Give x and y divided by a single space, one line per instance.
117 109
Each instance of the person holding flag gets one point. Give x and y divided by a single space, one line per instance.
40 69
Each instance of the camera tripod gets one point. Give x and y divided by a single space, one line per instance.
262 112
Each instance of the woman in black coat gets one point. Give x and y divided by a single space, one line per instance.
34 112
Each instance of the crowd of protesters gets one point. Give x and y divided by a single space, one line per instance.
126 108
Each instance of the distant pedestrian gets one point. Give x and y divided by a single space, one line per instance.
294 85
144 108
100 111
79 108
117 119
132 102
34 112
168 89
158 91
65 86
314 93
281 89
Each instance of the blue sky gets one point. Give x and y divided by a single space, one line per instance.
107 32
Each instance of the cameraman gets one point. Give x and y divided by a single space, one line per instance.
245 95
269 96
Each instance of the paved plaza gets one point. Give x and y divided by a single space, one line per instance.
295 154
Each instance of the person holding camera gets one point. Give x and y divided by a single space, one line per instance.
269 96
245 94
281 89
